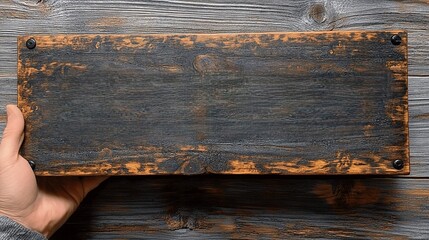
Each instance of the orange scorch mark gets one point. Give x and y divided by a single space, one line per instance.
397 111
105 168
89 170
397 66
131 42
242 167
149 169
346 163
199 148
318 166
26 110
133 167
399 70
60 41
186 41
49 68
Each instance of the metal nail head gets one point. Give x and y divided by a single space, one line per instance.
398 164
32 164
396 39
31 43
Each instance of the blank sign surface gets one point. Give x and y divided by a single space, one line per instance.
320 103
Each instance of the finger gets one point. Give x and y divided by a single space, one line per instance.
13 134
89 183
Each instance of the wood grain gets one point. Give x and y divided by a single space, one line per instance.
239 207
135 17
272 103
143 215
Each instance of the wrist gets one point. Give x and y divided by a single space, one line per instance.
36 221
12 229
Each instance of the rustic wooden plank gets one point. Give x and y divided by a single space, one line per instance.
138 17
211 207
22 17
273 103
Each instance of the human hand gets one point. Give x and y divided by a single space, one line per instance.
41 204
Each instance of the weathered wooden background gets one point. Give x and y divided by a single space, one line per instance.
324 103
213 207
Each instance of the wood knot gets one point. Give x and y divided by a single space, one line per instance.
182 221
317 12
212 64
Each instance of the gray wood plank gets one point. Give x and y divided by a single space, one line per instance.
132 208
62 16
210 207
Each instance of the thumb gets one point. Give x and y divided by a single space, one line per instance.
13 134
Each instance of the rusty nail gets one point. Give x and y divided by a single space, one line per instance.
398 164
31 43
32 164
396 39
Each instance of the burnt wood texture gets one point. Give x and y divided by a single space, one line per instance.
256 103
241 207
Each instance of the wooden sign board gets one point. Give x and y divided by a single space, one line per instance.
317 103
